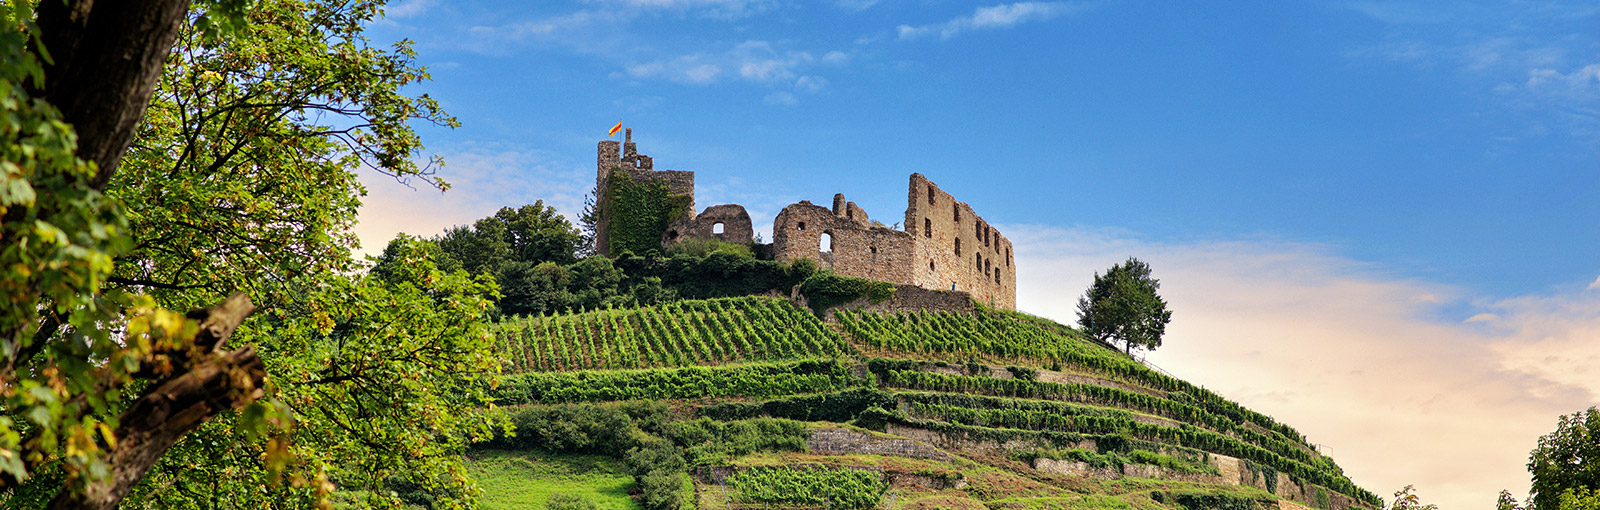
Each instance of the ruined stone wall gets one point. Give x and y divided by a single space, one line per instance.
612 158
954 247
855 248
848 442
732 219
945 245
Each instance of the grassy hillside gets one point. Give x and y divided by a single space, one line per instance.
739 402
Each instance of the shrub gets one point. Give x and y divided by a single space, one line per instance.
696 247
565 501
826 290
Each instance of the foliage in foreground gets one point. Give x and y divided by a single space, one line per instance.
235 182
1565 466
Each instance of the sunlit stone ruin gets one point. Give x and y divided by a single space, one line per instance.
944 245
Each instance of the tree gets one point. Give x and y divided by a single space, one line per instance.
1123 305
509 246
1580 499
1405 500
1566 463
245 131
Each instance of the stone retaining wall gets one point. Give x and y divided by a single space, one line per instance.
849 442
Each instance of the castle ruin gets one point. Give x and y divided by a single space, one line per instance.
945 244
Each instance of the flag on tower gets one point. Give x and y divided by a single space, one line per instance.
614 129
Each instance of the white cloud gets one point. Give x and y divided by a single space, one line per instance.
1349 355
1578 81
1483 317
717 9
690 69
810 84
754 62
1530 56
985 18
409 8
780 98
1595 285
482 180
856 5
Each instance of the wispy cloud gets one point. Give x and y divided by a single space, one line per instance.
856 5
409 8
1531 57
718 9
1356 359
989 18
755 62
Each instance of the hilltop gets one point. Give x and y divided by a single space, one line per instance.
754 401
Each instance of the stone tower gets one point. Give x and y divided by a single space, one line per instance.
610 161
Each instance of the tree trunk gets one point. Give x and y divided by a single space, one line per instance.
105 58
102 59
199 388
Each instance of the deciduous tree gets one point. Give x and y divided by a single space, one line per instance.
1123 305
1567 462
239 181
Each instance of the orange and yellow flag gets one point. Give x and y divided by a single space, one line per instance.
615 129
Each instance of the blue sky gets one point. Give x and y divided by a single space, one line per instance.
1439 161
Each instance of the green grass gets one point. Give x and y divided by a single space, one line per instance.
521 480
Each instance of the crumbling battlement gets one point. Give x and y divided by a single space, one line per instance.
945 245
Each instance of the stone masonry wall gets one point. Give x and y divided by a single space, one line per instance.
954 247
638 167
855 248
945 245
734 220
848 442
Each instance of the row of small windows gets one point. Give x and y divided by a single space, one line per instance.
995 273
986 266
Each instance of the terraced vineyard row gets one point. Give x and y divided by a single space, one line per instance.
1006 337
753 380
1096 394
1002 424
682 333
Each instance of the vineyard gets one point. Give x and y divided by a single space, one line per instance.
682 333
736 364
842 488
1010 337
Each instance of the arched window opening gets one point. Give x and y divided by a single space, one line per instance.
997 277
1008 257
957 209
930 194
801 225
930 264
716 228
958 247
927 227
827 242
874 250
979 261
